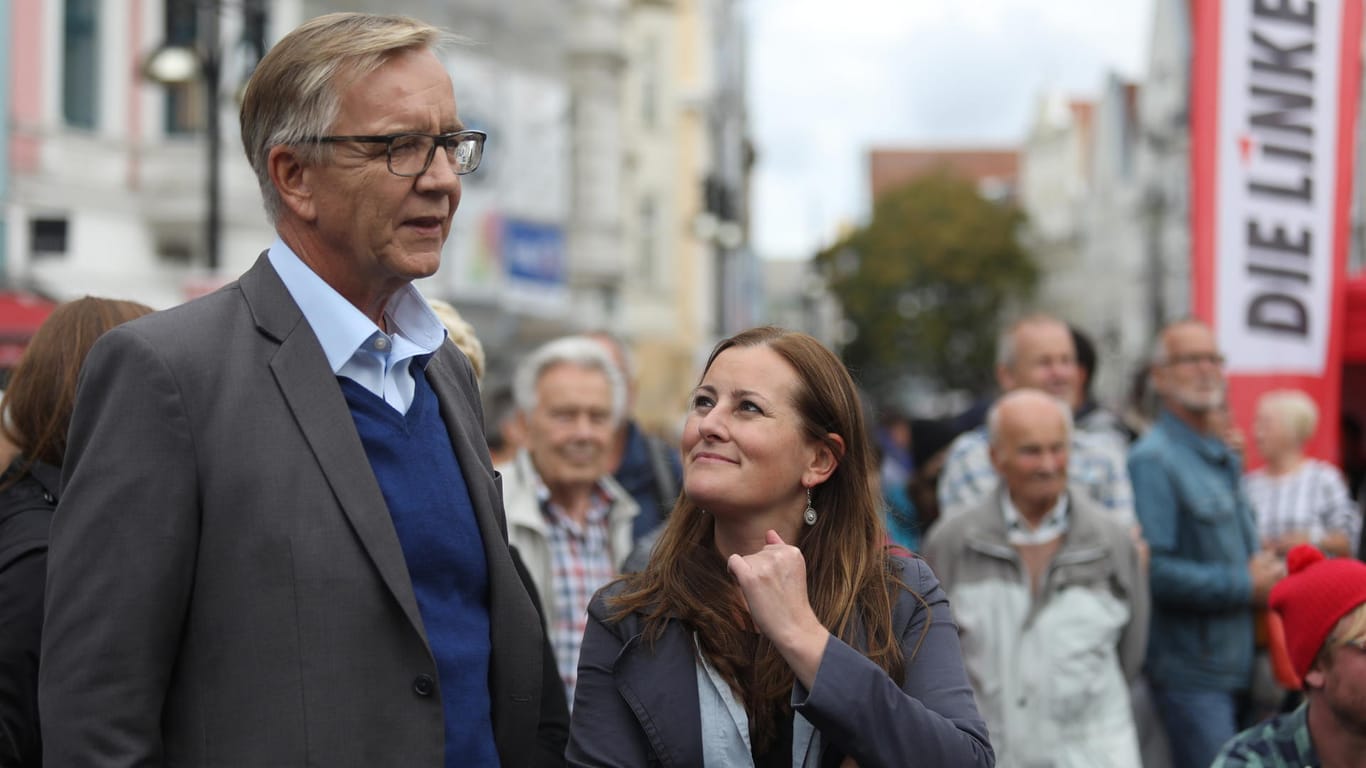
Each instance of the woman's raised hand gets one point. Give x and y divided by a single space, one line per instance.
773 582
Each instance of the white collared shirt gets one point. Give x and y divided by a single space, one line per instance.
354 345
1018 532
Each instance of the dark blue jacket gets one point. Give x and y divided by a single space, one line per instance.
637 704
651 472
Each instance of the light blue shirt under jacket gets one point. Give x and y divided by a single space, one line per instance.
355 346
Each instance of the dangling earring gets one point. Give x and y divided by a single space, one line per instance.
810 514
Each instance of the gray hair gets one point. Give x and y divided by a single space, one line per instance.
1160 354
579 351
994 414
295 92
1005 342
623 350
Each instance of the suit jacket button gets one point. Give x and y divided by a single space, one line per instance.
423 685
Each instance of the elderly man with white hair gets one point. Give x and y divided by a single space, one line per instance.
1050 598
571 522
1037 351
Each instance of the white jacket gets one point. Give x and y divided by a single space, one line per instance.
529 533
1050 673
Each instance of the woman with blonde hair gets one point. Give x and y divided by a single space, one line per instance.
36 412
1298 499
773 625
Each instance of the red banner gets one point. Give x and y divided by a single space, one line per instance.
1274 96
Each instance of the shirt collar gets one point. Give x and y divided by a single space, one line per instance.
1053 525
600 489
341 328
1213 449
600 505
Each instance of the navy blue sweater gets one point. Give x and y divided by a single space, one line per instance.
420 478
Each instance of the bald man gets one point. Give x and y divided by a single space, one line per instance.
1050 597
1037 352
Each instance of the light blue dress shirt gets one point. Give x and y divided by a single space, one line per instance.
354 345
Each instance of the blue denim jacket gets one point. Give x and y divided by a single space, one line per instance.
1199 526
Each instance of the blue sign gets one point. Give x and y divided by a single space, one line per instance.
534 253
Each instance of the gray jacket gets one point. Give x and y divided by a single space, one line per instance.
638 703
1050 670
225 584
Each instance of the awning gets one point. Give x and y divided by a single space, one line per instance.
20 315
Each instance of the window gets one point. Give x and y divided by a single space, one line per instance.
47 237
649 83
184 101
648 227
80 63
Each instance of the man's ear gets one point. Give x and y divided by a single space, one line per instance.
1157 379
1314 678
1005 380
824 459
291 178
994 454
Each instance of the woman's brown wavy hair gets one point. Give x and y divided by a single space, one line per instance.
850 581
42 390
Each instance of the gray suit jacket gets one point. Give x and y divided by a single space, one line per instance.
225 583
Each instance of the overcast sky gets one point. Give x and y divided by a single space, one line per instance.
829 80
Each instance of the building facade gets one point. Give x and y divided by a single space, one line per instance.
613 194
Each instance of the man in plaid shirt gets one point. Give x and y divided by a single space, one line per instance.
1322 605
1037 352
569 520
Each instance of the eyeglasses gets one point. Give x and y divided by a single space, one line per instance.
1213 358
410 154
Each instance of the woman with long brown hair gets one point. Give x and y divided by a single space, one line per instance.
773 625
36 412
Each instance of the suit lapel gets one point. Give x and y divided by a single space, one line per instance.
465 427
313 396
515 677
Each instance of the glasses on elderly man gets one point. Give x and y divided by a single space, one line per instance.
1213 358
411 154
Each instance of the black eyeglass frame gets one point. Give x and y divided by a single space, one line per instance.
447 141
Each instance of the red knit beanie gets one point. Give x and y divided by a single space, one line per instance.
1317 593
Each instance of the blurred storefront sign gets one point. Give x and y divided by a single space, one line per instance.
20 316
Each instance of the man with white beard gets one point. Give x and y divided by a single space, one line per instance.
1206 572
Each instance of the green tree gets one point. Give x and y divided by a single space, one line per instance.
925 284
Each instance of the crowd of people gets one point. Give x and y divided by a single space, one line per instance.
273 526
1168 649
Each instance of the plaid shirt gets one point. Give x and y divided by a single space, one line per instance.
1313 499
581 563
1281 742
1095 466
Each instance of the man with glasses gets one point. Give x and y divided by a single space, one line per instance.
1206 573
281 540
1322 605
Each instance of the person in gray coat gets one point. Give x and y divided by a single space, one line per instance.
280 540
1051 599
774 625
